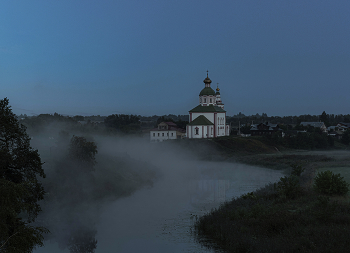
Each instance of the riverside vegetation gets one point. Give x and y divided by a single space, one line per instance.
300 213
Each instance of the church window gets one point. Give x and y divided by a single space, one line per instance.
172 134
154 134
197 130
210 100
162 134
205 100
158 134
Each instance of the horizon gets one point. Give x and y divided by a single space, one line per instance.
170 114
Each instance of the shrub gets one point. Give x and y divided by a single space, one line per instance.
297 170
289 187
327 182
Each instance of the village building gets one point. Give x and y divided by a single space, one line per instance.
320 125
266 128
208 119
166 131
343 126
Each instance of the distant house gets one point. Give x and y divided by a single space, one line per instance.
264 129
166 131
343 126
320 125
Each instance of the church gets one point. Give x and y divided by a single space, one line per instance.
208 119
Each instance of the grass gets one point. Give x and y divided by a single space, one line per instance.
268 221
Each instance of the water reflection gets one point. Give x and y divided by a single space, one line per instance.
160 219
208 191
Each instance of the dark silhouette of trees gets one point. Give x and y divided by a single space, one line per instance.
83 241
324 117
20 190
82 152
122 122
346 137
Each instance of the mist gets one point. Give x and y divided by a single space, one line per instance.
139 197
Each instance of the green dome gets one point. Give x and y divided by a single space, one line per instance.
207 91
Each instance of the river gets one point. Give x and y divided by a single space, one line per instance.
160 219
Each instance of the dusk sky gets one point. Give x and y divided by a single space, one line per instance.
150 57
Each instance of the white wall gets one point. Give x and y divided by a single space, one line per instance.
167 135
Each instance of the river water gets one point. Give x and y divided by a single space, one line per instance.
160 219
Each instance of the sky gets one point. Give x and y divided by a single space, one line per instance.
150 57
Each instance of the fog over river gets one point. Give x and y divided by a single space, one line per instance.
160 218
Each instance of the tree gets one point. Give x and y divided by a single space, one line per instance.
122 122
324 117
346 137
83 152
83 241
20 167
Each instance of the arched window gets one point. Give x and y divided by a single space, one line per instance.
197 130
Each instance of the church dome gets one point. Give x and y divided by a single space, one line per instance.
207 80
207 91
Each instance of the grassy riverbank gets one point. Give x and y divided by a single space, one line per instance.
265 222
268 220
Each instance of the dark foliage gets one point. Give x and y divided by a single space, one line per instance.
330 119
83 241
40 123
314 139
83 152
122 122
20 167
327 182
346 137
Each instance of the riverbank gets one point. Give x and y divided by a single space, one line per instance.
260 151
266 221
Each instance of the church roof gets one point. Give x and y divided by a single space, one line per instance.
209 108
207 91
200 121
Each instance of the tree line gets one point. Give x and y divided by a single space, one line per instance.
328 119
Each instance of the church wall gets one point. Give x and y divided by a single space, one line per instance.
197 132
220 124
203 132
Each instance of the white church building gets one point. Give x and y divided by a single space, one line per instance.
208 119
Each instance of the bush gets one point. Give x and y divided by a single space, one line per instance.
289 187
297 170
327 182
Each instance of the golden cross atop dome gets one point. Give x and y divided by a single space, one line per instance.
217 87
